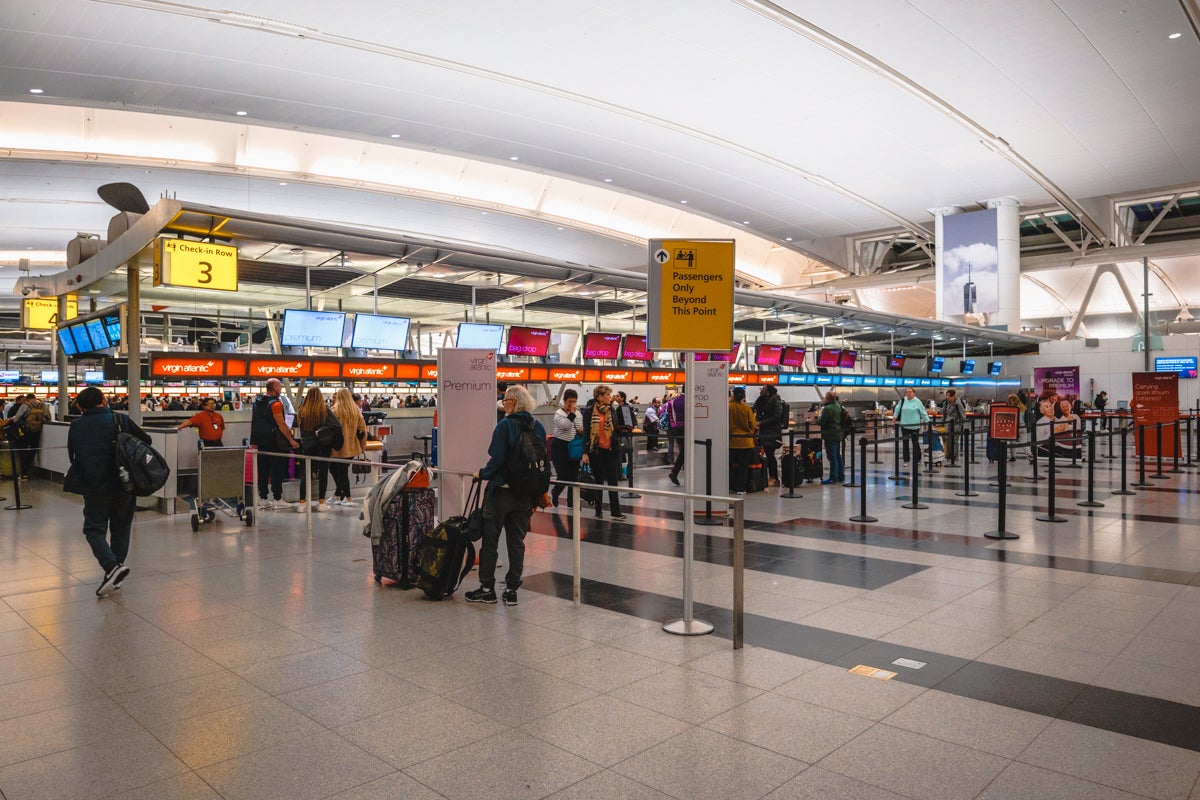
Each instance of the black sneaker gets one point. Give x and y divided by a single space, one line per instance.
484 594
671 476
112 580
619 517
510 597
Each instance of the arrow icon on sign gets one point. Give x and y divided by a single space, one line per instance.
662 256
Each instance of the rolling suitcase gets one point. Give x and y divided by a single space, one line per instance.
408 518
811 465
756 480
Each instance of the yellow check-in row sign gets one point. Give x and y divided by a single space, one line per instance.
195 265
41 313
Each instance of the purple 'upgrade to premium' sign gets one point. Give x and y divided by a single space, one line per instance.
1062 381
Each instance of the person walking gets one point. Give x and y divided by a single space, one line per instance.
504 509
742 447
676 411
772 415
911 415
830 421
567 428
320 433
354 434
107 507
271 434
208 422
601 448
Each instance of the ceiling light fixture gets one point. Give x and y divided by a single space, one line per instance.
283 183
395 136
745 222
684 202
1175 35
241 113
608 180
36 91
514 158
788 239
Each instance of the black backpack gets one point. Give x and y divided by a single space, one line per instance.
528 469
141 468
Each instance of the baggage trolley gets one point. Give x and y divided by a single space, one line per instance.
222 485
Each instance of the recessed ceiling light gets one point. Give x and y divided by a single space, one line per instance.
684 202
560 228
788 239
1175 35
514 158
283 183
483 212
395 136
745 222
35 91
608 180
241 113
296 251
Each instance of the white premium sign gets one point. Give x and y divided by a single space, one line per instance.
466 407
707 394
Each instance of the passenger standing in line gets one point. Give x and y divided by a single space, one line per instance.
676 411
650 425
601 448
772 415
742 447
209 422
504 509
910 414
270 433
354 434
954 417
1101 403
26 430
107 507
568 426
320 433
831 437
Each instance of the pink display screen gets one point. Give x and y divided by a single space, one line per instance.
636 349
528 341
847 359
896 361
828 358
730 356
700 356
601 345
792 357
768 354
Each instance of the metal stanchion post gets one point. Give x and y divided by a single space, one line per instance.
930 434
916 488
577 545
862 490
853 484
1188 439
790 475
739 570
308 498
966 492
1000 532
631 495
1075 448
1141 441
1109 430
1051 515
707 519
875 430
896 474
16 473
1033 454
1091 474
1124 488
1175 470
1158 444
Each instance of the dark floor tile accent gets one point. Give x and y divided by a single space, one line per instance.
797 562
1151 718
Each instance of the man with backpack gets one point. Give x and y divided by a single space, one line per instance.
676 409
518 474
25 430
107 506
271 434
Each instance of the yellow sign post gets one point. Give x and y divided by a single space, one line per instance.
197 265
690 295
41 313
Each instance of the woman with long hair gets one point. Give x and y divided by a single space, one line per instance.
568 426
354 433
601 448
319 434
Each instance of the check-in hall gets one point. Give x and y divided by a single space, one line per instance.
859 337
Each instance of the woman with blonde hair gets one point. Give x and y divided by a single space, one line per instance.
354 433
320 432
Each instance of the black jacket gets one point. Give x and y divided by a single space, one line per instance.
91 446
504 437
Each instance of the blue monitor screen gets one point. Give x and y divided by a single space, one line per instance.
93 376
374 332
994 367
936 363
95 329
1184 366
312 328
49 376
968 366
112 327
10 376
83 342
479 336
66 341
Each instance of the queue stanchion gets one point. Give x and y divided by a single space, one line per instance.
1109 430
631 494
1175 470
707 519
862 515
966 492
1033 453
1141 445
875 428
791 474
915 503
1051 514
930 435
1124 432
853 484
1076 447
1001 532
896 474
1158 444
16 476
1187 437
1091 474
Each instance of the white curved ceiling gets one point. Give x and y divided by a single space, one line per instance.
799 122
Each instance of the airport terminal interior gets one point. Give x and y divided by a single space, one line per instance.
990 198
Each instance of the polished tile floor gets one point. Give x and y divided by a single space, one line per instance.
265 663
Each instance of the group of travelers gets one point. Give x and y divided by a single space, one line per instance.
22 427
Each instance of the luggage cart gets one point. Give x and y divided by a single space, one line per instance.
222 485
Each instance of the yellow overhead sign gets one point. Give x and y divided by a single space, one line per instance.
690 302
197 265
41 313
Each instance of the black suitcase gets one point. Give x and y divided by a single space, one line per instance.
756 480
448 552
406 521
789 472
810 463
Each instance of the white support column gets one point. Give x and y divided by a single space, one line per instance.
1008 254
938 267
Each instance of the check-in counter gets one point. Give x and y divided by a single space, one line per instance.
52 457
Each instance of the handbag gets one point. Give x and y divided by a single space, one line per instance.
586 475
360 465
575 447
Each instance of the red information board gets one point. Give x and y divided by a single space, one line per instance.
1004 422
1156 399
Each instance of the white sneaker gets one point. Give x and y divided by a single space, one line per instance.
322 508
265 504
300 507
349 502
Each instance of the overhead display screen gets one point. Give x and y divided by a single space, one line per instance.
792 357
312 328
994 368
83 342
49 376
730 356
602 345
635 348
828 358
1184 366
936 363
10 375
524 341
896 361
66 341
97 334
847 359
479 336
112 328
768 354
967 366
93 376
375 332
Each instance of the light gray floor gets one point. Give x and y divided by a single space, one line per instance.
265 663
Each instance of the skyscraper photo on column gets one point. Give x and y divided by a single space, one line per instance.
970 275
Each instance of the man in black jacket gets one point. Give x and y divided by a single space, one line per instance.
107 507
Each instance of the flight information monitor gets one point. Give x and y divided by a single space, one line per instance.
524 341
896 361
847 358
768 354
479 336
602 345
1183 366
828 358
967 366
994 367
635 348
792 357
66 341
376 332
936 363
49 376
312 328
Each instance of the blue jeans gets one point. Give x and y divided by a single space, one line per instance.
837 470
108 514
